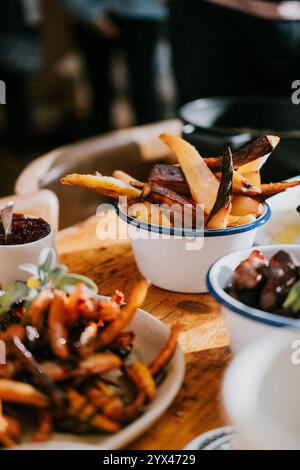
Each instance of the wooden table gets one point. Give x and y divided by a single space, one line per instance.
203 338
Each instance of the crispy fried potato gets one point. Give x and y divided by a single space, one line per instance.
103 423
271 189
149 213
218 217
13 427
202 182
58 332
254 177
165 355
23 393
141 376
106 185
234 221
11 331
136 299
39 305
243 205
56 371
126 178
88 334
99 363
44 430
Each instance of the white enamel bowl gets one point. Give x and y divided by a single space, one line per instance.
177 259
245 324
261 394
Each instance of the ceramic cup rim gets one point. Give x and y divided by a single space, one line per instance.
31 244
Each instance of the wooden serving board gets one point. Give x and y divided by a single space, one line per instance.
203 336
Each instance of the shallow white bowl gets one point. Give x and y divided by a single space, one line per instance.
177 259
245 323
11 256
261 394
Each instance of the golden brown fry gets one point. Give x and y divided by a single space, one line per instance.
99 363
108 310
271 189
56 371
165 355
44 429
98 398
11 331
76 401
88 334
112 408
149 213
243 220
202 182
254 177
23 393
103 423
106 185
141 376
9 369
118 297
244 205
135 300
13 427
125 177
39 305
58 332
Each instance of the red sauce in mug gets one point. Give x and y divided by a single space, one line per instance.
25 230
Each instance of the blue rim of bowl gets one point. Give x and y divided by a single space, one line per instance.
175 231
242 309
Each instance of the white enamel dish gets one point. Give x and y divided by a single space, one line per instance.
261 394
245 324
178 259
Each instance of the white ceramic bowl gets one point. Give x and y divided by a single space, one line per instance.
178 261
261 394
11 256
245 323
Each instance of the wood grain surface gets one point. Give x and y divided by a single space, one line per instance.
203 336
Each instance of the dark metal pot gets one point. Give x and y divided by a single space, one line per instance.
212 124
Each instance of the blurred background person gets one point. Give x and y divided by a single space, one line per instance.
133 25
235 47
19 61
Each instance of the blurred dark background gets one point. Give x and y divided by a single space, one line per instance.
77 68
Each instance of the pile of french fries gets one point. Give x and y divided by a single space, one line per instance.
70 368
227 188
